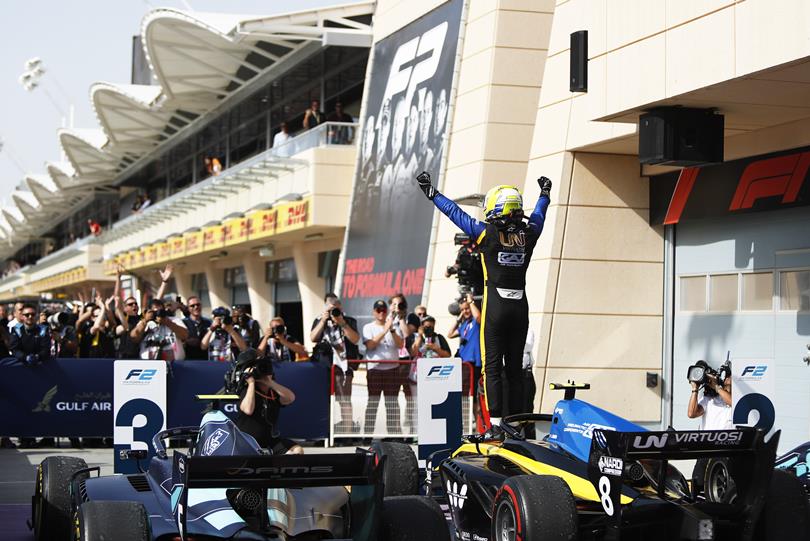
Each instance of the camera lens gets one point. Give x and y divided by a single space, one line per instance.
336 312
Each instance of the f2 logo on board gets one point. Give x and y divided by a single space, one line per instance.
142 375
754 371
441 371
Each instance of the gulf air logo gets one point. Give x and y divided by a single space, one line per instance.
512 239
783 175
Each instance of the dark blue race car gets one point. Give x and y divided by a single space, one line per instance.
598 476
227 487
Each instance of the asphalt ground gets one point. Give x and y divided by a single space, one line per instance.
18 470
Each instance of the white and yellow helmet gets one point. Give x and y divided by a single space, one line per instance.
501 201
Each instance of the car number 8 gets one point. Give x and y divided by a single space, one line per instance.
604 494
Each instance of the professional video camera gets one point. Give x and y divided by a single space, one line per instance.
700 372
467 269
58 320
236 377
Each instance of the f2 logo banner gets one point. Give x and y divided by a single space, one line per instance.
139 408
754 384
438 404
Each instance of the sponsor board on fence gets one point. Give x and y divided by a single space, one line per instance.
139 408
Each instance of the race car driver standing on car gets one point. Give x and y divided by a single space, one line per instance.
506 243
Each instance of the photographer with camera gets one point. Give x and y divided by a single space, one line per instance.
714 408
160 336
222 337
277 345
64 342
248 327
261 398
336 339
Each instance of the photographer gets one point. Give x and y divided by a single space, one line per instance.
714 409
277 345
383 342
30 342
221 337
64 342
160 336
260 402
467 329
248 327
336 338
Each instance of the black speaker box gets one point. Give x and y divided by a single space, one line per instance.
680 136
579 62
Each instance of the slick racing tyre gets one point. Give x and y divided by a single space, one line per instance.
52 511
413 518
786 513
536 507
401 473
112 521
718 486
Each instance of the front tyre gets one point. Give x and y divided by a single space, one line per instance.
413 518
401 473
536 507
112 521
51 510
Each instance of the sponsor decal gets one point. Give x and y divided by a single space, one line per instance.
279 470
181 465
672 439
140 376
440 372
754 372
456 495
511 259
586 429
610 465
214 441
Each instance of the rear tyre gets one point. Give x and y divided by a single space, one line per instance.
401 473
536 507
112 521
786 513
413 518
718 486
51 510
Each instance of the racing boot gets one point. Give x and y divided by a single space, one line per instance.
493 433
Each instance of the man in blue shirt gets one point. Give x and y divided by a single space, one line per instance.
506 244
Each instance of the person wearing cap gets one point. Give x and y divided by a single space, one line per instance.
260 403
383 342
506 243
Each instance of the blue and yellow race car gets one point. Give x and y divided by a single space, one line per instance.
598 476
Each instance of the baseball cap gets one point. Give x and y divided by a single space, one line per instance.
380 304
413 319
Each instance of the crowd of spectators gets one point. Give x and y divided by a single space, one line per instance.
169 329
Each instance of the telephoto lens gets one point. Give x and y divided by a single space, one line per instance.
336 312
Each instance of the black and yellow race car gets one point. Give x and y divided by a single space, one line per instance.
596 476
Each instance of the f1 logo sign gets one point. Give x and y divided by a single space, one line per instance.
783 175
755 371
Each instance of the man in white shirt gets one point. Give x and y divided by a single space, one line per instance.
160 334
383 341
282 136
714 409
17 316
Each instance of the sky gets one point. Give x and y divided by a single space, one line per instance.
80 42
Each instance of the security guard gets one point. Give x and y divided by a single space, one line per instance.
506 243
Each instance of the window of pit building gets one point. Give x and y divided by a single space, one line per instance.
794 290
723 292
757 291
327 269
236 281
693 293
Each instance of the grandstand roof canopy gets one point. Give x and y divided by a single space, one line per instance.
199 60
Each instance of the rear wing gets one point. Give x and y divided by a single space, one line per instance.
361 470
751 465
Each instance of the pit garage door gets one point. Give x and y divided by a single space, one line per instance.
742 284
